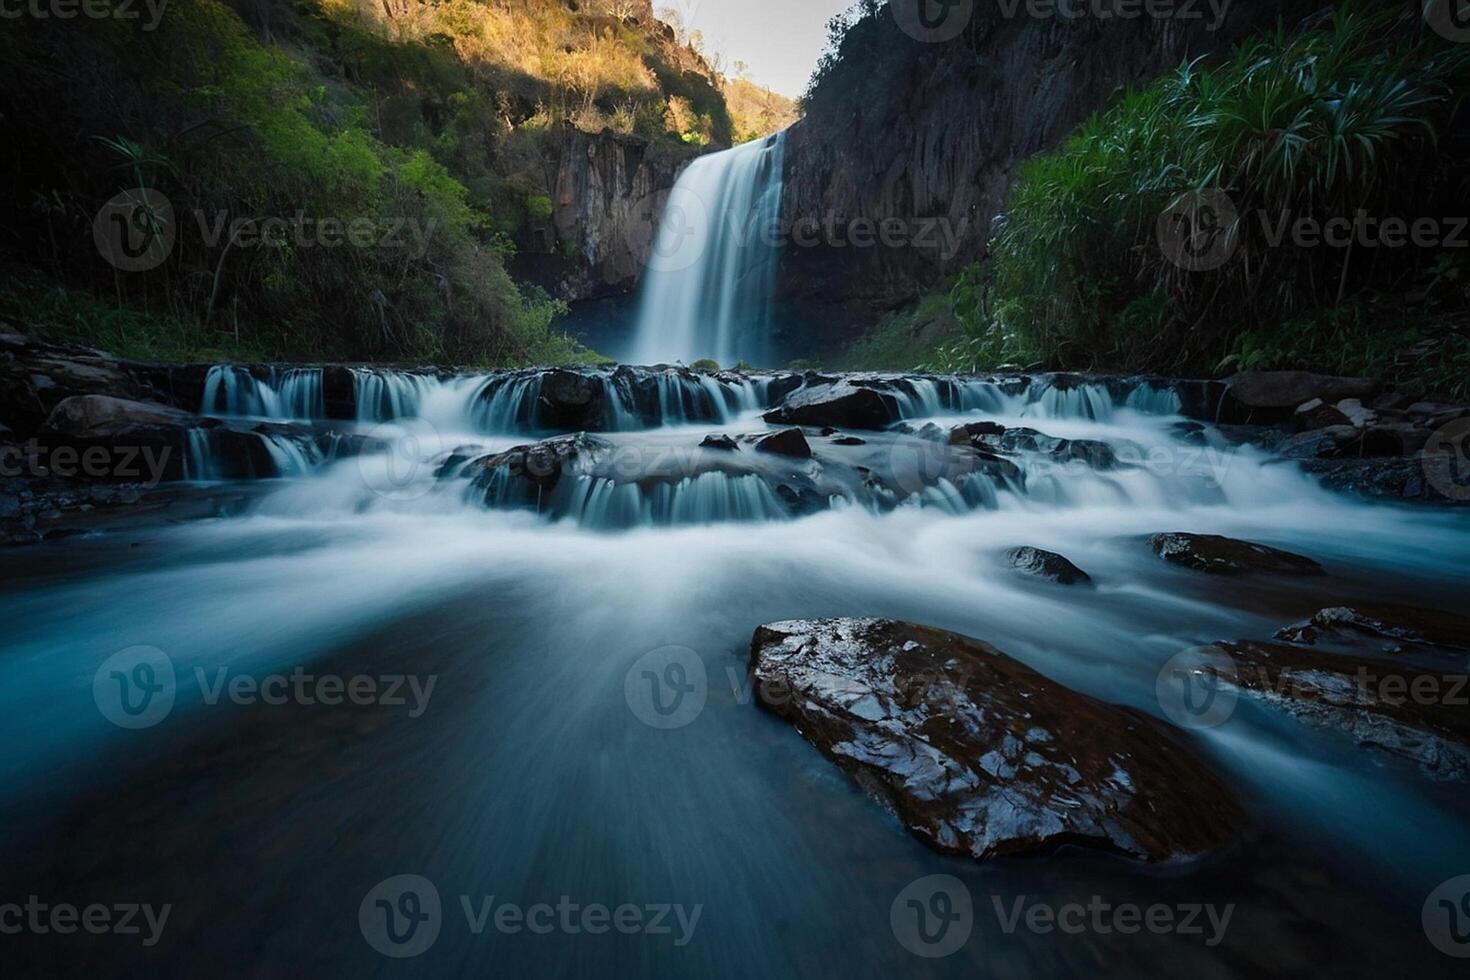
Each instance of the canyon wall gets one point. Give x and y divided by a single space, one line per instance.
930 134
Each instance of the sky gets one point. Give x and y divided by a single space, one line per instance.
780 39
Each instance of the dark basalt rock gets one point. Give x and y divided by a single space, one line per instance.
720 441
1392 629
571 400
849 441
972 431
1399 709
1047 565
1275 395
787 442
535 469
842 404
1428 478
980 755
1220 555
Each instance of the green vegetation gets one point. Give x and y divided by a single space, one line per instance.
346 180
1359 115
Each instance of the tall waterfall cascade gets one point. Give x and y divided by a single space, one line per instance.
707 289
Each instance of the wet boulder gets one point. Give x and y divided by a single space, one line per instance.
1261 396
841 404
1400 709
103 417
521 475
1047 565
1219 555
719 441
1388 628
571 400
979 754
787 442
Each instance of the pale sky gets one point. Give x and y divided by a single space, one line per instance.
779 39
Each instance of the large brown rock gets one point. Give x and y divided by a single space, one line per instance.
979 754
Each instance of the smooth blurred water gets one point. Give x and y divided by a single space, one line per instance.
531 775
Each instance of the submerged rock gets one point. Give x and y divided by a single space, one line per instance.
1047 565
719 441
1399 708
1220 555
978 754
841 404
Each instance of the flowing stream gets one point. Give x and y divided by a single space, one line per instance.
532 772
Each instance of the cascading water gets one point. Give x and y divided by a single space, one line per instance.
707 289
537 601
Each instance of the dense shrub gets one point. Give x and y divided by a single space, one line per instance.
1360 113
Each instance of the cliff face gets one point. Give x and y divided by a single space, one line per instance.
606 195
930 134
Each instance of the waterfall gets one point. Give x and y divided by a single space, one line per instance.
284 393
707 291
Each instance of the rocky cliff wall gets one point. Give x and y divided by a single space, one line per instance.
929 134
